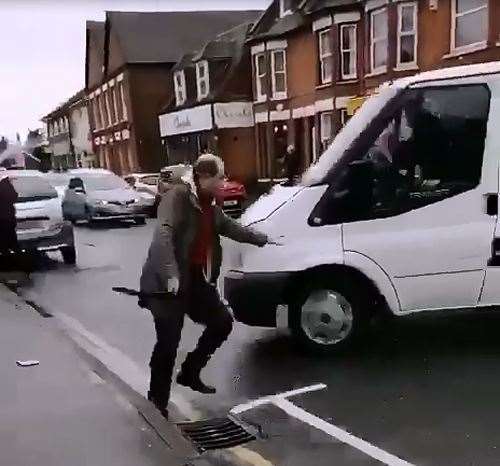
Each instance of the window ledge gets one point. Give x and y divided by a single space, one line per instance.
324 86
466 50
376 73
260 101
277 98
409 67
348 81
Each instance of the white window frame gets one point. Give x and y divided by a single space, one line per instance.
380 69
454 17
326 137
283 11
414 32
352 50
343 116
324 79
282 94
205 79
180 89
121 87
261 93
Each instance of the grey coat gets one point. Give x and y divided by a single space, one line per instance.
178 219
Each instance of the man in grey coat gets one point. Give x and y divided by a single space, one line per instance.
184 260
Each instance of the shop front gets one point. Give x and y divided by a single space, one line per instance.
225 129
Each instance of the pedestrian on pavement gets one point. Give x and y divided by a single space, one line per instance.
184 259
291 164
8 197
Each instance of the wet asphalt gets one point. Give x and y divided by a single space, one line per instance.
425 389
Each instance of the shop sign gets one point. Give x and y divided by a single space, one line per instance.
234 115
186 121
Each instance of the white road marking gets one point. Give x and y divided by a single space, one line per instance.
280 401
339 434
270 399
119 363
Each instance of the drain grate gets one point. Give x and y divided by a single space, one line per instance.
215 434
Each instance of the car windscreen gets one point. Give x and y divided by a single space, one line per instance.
103 182
33 188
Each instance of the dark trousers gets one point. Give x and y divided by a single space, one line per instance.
201 302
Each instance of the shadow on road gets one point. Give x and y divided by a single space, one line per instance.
408 344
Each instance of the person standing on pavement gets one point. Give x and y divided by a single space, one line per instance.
184 260
291 164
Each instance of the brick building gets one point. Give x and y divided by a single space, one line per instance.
212 108
129 59
315 61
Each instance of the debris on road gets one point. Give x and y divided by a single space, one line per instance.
28 363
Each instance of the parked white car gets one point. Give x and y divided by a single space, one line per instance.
399 214
40 225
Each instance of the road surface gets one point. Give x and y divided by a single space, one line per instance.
420 391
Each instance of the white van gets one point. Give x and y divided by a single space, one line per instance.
400 213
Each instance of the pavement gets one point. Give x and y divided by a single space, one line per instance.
419 391
61 412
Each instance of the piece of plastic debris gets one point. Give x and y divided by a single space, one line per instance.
28 363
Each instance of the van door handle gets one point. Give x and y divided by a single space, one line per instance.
492 204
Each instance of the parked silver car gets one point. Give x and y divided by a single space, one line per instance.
94 195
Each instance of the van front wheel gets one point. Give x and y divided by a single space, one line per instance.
327 315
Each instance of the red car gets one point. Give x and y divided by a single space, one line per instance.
231 196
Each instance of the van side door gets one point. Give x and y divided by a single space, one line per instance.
427 180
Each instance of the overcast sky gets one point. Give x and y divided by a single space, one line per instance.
42 50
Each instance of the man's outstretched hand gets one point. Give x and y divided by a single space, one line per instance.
276 241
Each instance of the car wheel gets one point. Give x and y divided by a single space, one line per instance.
69 255
329 313
140 220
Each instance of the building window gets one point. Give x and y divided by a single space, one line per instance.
326 56
121 96
180 87
378 41
111 106
326 129
407 34
117 103
97 113
278 66
348 51
103 112
286 7
469 23
260 76
202 79
344 117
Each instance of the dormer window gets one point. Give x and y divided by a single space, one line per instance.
180 87
286 7
202 79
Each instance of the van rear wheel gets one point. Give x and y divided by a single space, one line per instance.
327 316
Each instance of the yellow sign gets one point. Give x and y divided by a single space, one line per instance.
354 104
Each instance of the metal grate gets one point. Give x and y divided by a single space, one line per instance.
215 434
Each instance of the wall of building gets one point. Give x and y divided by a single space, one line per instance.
237 148
150 86
80 129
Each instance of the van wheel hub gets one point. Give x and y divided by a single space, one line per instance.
327 317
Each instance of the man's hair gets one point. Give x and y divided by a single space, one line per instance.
208 164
